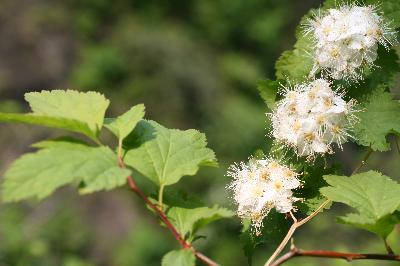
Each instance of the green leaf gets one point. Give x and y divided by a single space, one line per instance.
372 194
182 257
382 227
382 76
386 72
58 163
108 179
188 221
248 241
312 182
381 117
166 155
180 198
296 64
55 122
391 9
308 206
275 227
124 124
70 110
268 90
87 107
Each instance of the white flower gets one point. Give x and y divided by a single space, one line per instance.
311 117
347 38
261 185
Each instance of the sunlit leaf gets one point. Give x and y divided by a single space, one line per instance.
58 163
166 155
182 257
372 194
125 123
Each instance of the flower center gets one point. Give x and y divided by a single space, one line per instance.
292 108
378 33
257 192
336 129
278 185
269 205
256 216
273 165
328 102
264 175
289 174
326 30
309 136
335 53
320 119
297 126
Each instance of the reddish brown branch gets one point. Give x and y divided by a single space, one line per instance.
132 184
205 259
295 252
164 218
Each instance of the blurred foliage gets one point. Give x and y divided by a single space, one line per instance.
44 240
193 63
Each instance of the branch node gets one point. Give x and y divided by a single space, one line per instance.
292 246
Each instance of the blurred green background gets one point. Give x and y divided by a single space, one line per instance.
194 64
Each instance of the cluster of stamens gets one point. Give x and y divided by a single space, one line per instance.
261 185
311 117
347 38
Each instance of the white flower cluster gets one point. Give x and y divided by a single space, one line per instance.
347 38
311 117
261 185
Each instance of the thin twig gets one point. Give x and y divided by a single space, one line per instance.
297 224
363 161
291 231
164 218
205 259
388 248
133 186
160 197
295 252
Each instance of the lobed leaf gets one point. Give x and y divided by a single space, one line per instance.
71 110
268 91
373 195
382 227
55 122
166 155
188 221
296 64
125 123
58 163
87 107
391 10
275 227
312 182
383 75
108 179
308 206
380 117
182 257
